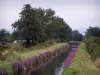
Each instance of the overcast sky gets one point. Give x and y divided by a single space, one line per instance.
78 14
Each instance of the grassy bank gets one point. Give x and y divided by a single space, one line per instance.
33 51
29 53
81 65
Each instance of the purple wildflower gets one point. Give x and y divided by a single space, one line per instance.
3 71
29 61
70 57
18 67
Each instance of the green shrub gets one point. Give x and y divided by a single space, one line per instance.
50 42
92 39
17 47
96 51
4 47
44 44
93 46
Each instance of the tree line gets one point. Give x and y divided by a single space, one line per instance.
40 25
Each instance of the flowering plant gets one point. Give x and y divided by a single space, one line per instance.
70 57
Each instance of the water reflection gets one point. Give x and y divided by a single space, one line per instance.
55 67
60 62
59 70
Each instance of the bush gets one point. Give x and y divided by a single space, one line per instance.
17 47
93 46
92 39
44 44
96 51
52 41
4 47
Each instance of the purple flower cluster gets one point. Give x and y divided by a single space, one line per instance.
3 71
70 57
35 63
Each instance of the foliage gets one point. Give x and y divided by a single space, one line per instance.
76 36
4 36
92 39
17 47
4 47
65 34
93 46
58 29
93 31
39 25
50 42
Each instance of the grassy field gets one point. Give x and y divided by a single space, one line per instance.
81 65
28 53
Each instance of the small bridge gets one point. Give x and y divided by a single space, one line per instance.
74 43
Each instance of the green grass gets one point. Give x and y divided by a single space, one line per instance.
34 51
81 65
73 71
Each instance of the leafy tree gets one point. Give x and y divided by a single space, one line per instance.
4 36
58 29
53 27
76 36
39 25
31 24
93 31
65 33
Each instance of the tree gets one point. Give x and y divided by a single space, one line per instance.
31 24
58 29
65 33
76 36
53 27
39 25
4 36
93 31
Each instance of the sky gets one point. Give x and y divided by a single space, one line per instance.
78 14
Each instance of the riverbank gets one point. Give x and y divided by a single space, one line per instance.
54 50
81 65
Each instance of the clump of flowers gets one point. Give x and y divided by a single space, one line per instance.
18 68
3 71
